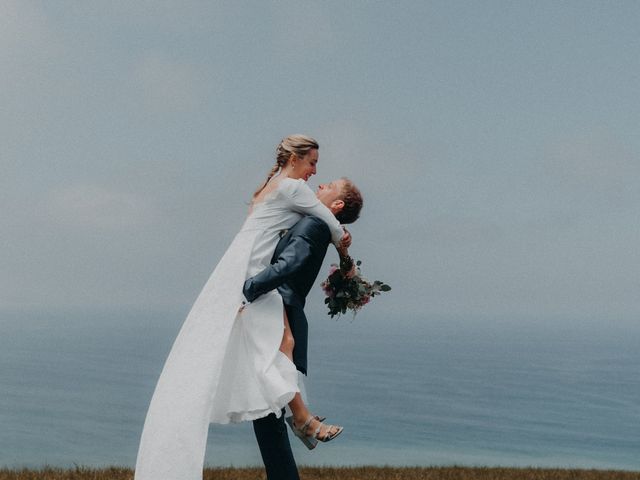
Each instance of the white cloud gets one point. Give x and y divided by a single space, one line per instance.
592 162
353 150
31 52
21 24
95 207
169 84
166 15
300 28
28 41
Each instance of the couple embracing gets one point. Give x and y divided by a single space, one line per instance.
237 354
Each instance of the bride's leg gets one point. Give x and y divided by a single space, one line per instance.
299 409
297 406
288 342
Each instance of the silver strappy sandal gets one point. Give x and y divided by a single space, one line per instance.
328 436
301 433
311 441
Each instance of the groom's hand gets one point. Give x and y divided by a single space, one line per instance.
246 291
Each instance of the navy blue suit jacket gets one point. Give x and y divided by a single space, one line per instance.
293 271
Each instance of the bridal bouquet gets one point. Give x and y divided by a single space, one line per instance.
347 289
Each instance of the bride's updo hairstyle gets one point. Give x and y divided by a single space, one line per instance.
298 145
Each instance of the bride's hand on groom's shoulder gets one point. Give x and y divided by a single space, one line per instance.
346 238
345 242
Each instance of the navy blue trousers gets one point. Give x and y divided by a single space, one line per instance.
273 440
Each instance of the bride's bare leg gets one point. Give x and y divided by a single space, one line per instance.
288 342
298 407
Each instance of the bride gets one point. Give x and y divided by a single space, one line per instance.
225 364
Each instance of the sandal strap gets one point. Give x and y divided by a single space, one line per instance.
327 434
304 427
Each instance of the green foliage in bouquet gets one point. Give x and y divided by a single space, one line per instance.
346 288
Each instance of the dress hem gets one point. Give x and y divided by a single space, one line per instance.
257 414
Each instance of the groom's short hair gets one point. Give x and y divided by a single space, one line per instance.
352 199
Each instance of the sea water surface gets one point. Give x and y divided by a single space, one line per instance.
74 389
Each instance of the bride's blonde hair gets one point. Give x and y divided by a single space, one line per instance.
298 145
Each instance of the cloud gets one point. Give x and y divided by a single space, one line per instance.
30 50
22 25
353 149
28 41
300 28
95 207
166 83
167 16
593 163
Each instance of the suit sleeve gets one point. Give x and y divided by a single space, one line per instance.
291 260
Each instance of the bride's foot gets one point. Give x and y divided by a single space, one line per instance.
300 432
317 417
313 429
323 432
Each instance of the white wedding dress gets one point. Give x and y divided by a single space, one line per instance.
226 366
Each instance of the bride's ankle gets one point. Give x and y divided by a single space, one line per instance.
301 418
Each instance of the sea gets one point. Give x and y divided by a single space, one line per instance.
409 390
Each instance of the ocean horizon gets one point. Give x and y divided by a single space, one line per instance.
431 391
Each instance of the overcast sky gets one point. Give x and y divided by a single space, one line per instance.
497 145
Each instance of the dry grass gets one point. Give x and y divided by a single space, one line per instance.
335 473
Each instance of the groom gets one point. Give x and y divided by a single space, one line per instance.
295 266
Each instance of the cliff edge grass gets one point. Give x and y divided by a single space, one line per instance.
338 473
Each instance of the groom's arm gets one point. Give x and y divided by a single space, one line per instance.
312 235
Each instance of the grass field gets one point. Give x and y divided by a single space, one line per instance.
335 473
